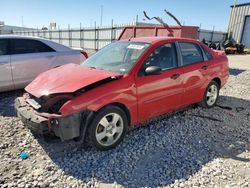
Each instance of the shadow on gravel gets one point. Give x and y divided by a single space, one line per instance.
169 149
236 72
7 102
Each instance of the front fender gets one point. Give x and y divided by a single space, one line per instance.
121 91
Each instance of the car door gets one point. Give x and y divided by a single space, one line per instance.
6 82
195 71
158 94
29 57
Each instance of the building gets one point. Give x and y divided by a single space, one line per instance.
8 29
239 23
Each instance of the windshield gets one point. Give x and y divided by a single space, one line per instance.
117 57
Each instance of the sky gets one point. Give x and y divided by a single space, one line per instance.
39 13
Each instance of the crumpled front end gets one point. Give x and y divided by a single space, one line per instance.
64 127
36 123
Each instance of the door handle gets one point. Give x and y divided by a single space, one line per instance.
205 67
175 76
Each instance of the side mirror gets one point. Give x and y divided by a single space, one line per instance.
153 70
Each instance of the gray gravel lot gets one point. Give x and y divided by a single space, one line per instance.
239 61
192 148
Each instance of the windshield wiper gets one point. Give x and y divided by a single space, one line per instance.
96 68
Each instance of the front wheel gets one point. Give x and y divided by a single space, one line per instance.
108 128
211 95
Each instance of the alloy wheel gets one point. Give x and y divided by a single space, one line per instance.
212 94
109 129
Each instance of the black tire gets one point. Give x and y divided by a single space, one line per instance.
205 103
95 125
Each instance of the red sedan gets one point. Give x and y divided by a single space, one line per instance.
122 85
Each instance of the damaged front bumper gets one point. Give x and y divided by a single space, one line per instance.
64 127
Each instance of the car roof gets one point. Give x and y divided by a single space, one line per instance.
56 46
153 40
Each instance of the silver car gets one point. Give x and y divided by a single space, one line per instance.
23 58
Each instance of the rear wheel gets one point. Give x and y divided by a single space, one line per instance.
211 95
108 128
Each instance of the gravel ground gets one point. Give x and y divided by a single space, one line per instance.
192 148
239 61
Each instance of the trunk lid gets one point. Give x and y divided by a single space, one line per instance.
219 52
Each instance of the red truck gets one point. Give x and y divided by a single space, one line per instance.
122 85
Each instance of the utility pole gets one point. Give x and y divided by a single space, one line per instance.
101 15
91 22
22 21
212 34
136 19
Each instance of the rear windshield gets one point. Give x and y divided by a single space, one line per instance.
209 56
117 57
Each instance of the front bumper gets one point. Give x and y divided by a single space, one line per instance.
64 127
27 115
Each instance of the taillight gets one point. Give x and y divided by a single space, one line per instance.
220 52
84 54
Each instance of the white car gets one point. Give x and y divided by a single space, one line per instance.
23 58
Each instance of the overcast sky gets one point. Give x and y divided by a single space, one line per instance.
38 13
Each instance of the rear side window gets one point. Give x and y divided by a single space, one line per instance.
3 46
191 53
24 46
209 56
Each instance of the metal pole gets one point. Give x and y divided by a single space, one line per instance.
199 32
50 34
91 21
83 38
69 35
136 20
111 38
95 37
59 35
212 34
22 21
80 34
101 14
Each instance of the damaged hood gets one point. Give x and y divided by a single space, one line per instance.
67 79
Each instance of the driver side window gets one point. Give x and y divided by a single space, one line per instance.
164 57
